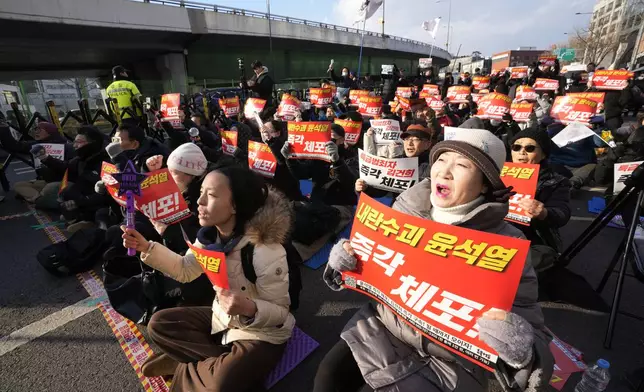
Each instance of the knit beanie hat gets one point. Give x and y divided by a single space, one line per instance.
539 136
480 146
48 127
418 131
188 158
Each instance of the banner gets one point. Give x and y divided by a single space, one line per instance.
458 94
622 172
525 93
354 96
261 159
54 150
521 111
519 72
170 109
370 106
228 142
213 264
321 97
394 175
569 109
308 139
547 60
439 279
425 63
481 82
494 106
386 131
404 104
403 92
230 106
252 106
546 84
593 96
289 107
160 200
611 79
477 97
352 130
523 177
430 90
436 103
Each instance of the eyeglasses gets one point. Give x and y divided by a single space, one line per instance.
412 140
529 148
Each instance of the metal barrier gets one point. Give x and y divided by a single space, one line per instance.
254 14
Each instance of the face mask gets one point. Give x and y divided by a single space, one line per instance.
345 74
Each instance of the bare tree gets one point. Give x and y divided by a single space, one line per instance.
596 46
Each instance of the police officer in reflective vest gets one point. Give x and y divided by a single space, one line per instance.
123 91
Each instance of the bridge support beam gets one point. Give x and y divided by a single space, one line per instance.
173 72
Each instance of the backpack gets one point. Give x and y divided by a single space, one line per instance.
77 254
293 259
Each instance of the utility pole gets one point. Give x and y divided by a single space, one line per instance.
449 24
383 18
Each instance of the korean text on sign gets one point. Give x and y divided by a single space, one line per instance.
253 105
261 159
395 175
519 72
230 106
437 278
403 92
436 103
526 93
308 139
611 79
352 130
494 106
160 199
546 85
547 60
521 111
54 150
386 131
228 142
481 82
289 107
523 177
458 94
169 108
354 96
370 106
569 109
213 265
321 97
622 172
430 90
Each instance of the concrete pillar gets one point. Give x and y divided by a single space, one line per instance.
172 68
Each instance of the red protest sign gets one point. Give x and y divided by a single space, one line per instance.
437 278
252 106
526 93
481 82
436 103
494 106
170 109
611 79
546 84
370 106
228 142
261 159
523 177
593 96
289 107
354 96
547 60
429 90
403 92
521 111
160 199
569 109
308 139
519 72
458 94
230 106
213 265
352 130
321 97
404 103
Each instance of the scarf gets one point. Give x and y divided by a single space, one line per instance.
451 215
209 237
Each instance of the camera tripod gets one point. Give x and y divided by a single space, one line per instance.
629 203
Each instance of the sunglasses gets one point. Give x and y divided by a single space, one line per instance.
529 148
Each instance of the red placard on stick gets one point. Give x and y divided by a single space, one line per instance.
569 109
321 97
289 107
403 92
212 262
170 109
352 130
370 106
430 90
547 60
526 93
261 159
437 278
523 177
230 106
481 82
521 111
308 139
494 106
546 84
354 96
436 103
458 94
253 105
611 79
228 142
519 72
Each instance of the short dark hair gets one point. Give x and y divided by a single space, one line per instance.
92 134
640 117
133 132
256 64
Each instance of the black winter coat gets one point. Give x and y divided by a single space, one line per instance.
284 180
342 81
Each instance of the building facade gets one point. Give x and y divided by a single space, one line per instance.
623 18
515 58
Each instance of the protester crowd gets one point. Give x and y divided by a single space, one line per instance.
230 339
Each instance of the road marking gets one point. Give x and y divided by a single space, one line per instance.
37 329
582 218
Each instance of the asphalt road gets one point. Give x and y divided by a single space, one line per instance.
84 355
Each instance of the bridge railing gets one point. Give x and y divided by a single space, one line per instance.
255 14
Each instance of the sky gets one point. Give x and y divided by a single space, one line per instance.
489 26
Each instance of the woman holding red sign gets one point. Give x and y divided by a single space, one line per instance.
383 352
235 343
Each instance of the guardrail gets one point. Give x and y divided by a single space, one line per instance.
262 15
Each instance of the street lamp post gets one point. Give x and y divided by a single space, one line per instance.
590 35
270 30
449 21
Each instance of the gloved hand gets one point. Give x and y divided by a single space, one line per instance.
39 151
510 335
339 260
100 188
507 117
503 195
332 151
286 150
